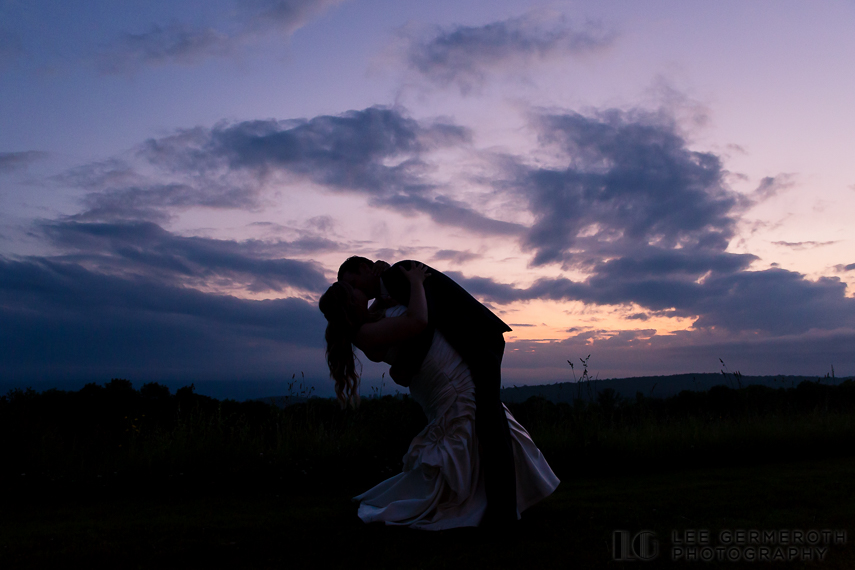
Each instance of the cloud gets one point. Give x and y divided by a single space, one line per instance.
841 267
174 43
127 189
489 289
156 201
630 186
448 212
774 302
228 165
771 186
464 54
616 197
454 256
283 16
374 151
647 222
146 250
11 161
62 320
799 245
378 153
639 316
180 43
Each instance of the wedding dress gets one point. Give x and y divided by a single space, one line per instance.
441 485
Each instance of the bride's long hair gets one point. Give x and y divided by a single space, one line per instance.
343 320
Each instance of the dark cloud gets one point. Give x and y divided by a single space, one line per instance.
10 161
60 320
639 316
774 302
181 43
375 151
842 267
146 250
630 187
649 222
492 291
463 54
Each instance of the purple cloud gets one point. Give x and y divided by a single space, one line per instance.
463 55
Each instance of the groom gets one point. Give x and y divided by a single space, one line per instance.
476 333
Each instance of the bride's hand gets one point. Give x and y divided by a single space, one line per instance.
417 273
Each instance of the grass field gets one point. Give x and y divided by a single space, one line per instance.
210 524
111 477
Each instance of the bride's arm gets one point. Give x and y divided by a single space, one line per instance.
377 337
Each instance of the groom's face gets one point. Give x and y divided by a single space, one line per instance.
364 280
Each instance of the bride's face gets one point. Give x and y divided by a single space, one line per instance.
364 280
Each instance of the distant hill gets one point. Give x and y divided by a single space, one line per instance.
282 401
651 386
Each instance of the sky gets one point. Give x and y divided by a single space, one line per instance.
659 185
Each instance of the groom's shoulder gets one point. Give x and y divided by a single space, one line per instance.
407 263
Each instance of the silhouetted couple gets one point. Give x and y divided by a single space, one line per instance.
473 464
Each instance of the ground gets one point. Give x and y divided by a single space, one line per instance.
274 527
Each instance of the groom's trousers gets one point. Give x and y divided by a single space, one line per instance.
491 425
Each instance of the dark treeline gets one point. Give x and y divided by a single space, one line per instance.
113 432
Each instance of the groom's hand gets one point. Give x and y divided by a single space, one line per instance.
379 267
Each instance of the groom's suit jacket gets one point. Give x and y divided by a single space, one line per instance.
463 321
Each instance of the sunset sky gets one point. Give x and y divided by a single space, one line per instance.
657 184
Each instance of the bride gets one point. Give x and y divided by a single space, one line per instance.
441 485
